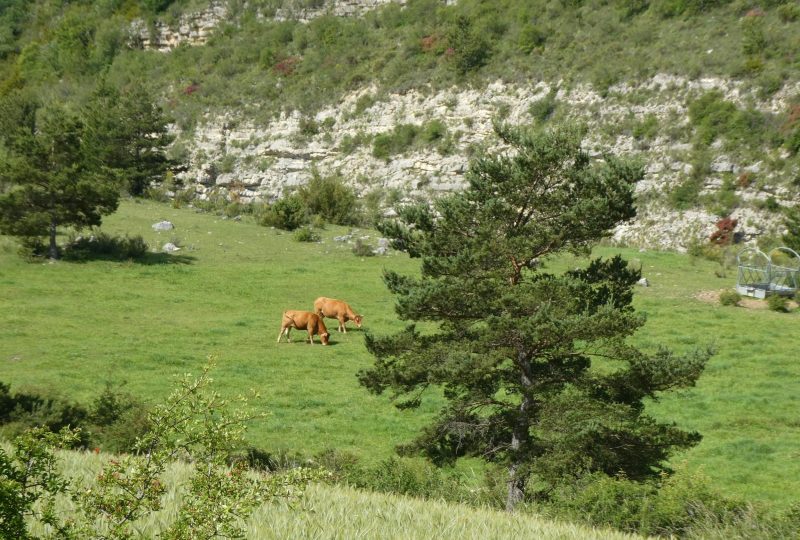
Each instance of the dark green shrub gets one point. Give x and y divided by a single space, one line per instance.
531 38
686 195
729 298
467 48
331 198
100 245
789 12
543 109
351 142
287 213
308 127
647 128
116 419
306 234
362 249
674 506
754 40
433 131
25 410
776 302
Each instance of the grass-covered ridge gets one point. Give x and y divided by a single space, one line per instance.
260 66
68 328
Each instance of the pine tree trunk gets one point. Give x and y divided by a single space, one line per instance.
519 439
53 251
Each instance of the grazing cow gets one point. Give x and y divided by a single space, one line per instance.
336 309
303 320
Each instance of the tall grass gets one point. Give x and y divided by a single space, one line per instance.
340 512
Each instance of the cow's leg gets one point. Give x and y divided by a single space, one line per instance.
280 334
288 339
310 335
342 327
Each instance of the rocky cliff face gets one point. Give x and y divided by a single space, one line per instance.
196 27
263 163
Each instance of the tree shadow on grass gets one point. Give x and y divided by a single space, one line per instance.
147 259
165 258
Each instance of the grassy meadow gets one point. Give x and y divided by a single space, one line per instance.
69 327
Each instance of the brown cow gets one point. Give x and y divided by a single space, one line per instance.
336 309
303 320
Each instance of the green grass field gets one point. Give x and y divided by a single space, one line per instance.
70 327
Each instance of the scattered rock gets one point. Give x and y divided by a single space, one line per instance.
643 282
380 250
169 247
163 226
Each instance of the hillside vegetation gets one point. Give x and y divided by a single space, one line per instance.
271 65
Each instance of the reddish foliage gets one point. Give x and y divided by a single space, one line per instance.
191 89
755 12
286 66
723 236
450 51
793 116
428 43
745 179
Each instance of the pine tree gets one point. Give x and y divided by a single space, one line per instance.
535 367
49 178
129 133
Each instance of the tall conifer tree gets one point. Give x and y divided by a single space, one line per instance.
535 367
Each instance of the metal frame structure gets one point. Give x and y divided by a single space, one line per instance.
761 274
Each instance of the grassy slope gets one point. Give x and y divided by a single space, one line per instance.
70 327
339 512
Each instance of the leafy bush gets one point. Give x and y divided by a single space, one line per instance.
287 213
306 234
729 298
777 302
214 501
331 198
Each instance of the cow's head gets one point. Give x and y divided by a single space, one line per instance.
358 320
324 338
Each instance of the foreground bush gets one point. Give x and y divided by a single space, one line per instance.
679 506
194 425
